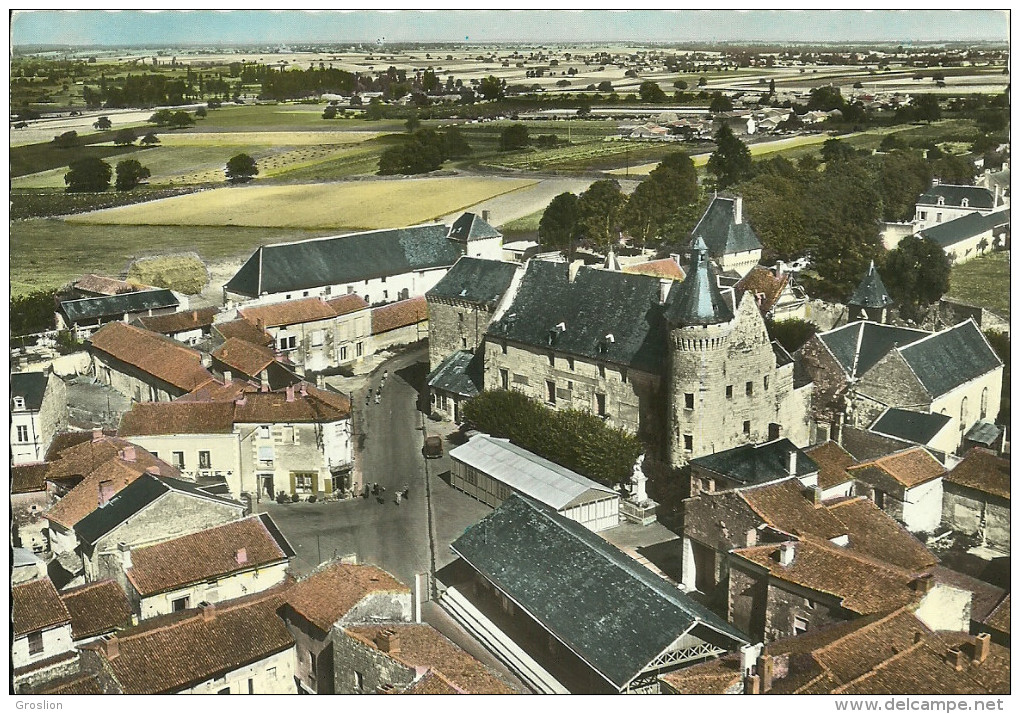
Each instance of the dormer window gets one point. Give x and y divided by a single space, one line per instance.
19 402
941 201
965 202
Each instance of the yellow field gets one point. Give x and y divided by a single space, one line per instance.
266 138
354 204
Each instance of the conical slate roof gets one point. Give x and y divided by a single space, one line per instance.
871 292
471 227
698 300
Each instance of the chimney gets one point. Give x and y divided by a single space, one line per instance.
105 492
208 612
485 215
154 470
388 641
241 556
923 584
752 684
97 435
128 454
228 376
125 555
194 315
241 400
303 389
738 210
955 658
751 538
111 647
260 323
787 552
982 645
792 467
290 393
664 286
765 672
935 181
815 495
206 360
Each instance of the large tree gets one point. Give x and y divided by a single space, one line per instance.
514 137
670 186
916 273
491 87
89 174
420 153
902 177
557 227
125 137
731 160
599 212
241 169
102 123
130 173
651 92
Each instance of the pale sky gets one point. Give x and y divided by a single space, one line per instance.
103 27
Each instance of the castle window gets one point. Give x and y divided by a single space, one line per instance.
749 389
570 363
688 442
688 401
800 625
729 391
602 371
550 392
600 404
503 346
765 381
747 428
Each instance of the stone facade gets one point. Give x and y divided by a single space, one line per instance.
201 455
455 325
361 669
215 590
712 526
975 513
32 431
726 389
271 675
133 382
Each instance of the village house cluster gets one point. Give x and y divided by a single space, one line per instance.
816 489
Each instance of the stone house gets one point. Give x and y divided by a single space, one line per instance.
455 381
29 501
530 571
151 509
38 411
833 461
333 596
399 323
752 465
235 648
491 469
92 285
41 640
732 242
381 266
971 235
190 327
714 524
773 291
86 315
976 498
907 485
97 610
407 658
213 565
943 203
143 365
313 333
462 304
254 363
863 368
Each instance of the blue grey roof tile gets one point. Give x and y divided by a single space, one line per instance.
722 234
953 196
460 374
917 427
614 613
31 386
475 280
860 345
94 308
950 358
983 432
698 300
960 229
871 291
758 463
471 227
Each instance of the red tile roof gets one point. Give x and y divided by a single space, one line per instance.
209 554
314 406
346 304
833 461
331 592
909 468
289 312
762 281
713 677
982 470
168 361
243 330
999 619
433 682
217 391
146 418
178 651
28 478
399 314
97 608
175 322
245 357
35 606
423 646
664 268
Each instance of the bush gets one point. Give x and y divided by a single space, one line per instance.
312 498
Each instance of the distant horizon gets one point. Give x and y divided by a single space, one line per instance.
191 28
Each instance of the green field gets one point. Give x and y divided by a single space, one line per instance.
984 282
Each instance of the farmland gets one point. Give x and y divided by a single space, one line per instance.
983 281
359 204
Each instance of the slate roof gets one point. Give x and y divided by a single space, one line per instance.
31 386
422 646
166 360
977 197
959 229
471 227
908 468
94 308
983 432
947 359
35 606
460 374
96 608
288 312
859 345
243 330
245 357
871 291
332 591
399 314
917 427
135 497
178 321
475 280
548 564
344 259
528 474
698 300
722 234
595 304
982 470
757 463
173 652
833 461
208 555
664 268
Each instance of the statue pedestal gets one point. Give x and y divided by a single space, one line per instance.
642 513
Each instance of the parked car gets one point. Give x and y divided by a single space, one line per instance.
433 448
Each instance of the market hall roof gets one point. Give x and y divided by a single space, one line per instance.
599 315
548 564
337 260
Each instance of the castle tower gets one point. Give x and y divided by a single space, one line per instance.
722 367
870 300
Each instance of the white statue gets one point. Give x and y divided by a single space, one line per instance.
637 480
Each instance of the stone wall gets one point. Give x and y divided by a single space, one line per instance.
889 383
974 513
454 325
271 675
830 382
356 662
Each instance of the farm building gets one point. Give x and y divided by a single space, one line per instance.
86 315
492 469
